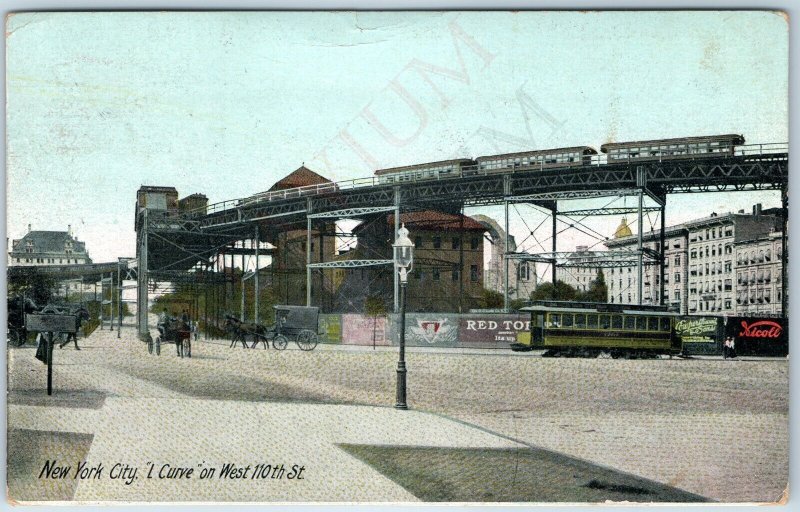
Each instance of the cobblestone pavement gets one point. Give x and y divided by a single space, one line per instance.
711 427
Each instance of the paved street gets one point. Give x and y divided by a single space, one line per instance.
715 428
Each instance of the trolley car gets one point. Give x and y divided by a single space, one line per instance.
575 329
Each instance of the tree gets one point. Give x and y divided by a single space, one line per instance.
561 291
491 299
374 306
598 291
32 283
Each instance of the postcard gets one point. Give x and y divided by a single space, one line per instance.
397 257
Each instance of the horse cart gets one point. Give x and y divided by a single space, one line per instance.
173 331
295 323
292 323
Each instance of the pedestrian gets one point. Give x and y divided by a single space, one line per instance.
725 347
732 349
185 317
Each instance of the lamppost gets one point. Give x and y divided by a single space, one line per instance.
403 258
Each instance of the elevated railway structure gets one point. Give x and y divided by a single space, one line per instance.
179 245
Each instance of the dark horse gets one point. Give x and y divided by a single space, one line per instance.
82 314
239 330
17 309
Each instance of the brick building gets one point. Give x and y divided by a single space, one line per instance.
758 275
448 263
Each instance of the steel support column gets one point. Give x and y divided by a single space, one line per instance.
241 308
640 181
308 252
662 270
255 279
506 251
142 291
553 275
784 254
119 300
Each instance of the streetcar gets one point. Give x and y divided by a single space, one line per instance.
589 329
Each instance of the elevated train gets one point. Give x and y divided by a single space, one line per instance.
617 152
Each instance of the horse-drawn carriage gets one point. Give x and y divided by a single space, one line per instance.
176 331
18 307
292 323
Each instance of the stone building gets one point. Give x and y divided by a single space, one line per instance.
522 276
701 269
758 275
38 248
579 277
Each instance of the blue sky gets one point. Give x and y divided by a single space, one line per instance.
228 103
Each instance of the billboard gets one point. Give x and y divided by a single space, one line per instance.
758 336
364 330
491 330
700 334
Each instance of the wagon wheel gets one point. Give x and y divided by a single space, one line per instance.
150 345
187 347
158 346
307 340
280 342
17 337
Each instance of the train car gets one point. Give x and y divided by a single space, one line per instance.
543 159
588 329
427 171
667 149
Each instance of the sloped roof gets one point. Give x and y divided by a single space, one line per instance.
431 220
49 242
301 177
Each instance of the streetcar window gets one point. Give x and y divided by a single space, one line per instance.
665 324
567 320
641 323
652 323
554 320
630 323
591 321
580 321
605 321
616 321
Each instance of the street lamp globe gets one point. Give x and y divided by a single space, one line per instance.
403 252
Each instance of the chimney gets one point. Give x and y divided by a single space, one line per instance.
69 229
29 228
758 209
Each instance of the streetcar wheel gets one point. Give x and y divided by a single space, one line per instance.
307 340
280 342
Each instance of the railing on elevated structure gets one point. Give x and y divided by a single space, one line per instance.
599 160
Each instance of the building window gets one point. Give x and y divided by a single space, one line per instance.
678 259
418 242
473 273
728 285
456 275
677 277
437 242
435 273
768 255
474 243
456 243
677 294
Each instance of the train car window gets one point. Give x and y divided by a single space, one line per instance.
665 324
652 323
605 321
554 320
616 321
641 323
580 321
591 321
630 323
566 319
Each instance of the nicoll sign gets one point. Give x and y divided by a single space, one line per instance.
758 335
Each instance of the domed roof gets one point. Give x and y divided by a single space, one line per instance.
623 230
